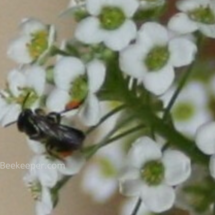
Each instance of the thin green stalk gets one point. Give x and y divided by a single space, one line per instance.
182 83
110 133
104 118
129 131
137 207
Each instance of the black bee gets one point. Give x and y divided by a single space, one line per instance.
60 140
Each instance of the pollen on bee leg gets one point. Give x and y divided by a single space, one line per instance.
65 154
72 105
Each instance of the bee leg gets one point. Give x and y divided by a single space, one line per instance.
54 118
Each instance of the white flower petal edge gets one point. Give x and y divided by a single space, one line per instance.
182 24
90 112
45 205
17 53
96 75
158 198
66 70
72 164
57 100
36 79
212 166
158 82
143 150
11 115
205 138
36 146
177 167
182 52
88 31
120 38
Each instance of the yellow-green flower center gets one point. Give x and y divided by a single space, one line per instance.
26 98
183 111
38 44
107 168
157 58
202 14
79 89
111 18
153 172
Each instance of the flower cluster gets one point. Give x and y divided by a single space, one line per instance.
123 75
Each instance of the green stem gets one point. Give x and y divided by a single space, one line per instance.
137 206
104 118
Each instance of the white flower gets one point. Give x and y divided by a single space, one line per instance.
189 111
100 177
151 175
205 141
41 194
74 5
129 205
148 4
24 89
50 169
153 57
109 22
33 43
194 15
77 84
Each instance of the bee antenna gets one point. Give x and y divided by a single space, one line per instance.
25 100
11 123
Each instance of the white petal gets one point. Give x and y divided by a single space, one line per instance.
90 113
182 52
16 80
144 149
156 33
72 164
30 26
182 24
207 30
4 108
94 7
66 70
177 167
36 79
131 187
205 138
36 146
158 82
88 31
47 171
45 205
158 198
212 166
129 205
129 181
93 183
17 50
131 61
96 75
57 100
118 39
11 115
129 8
189 5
